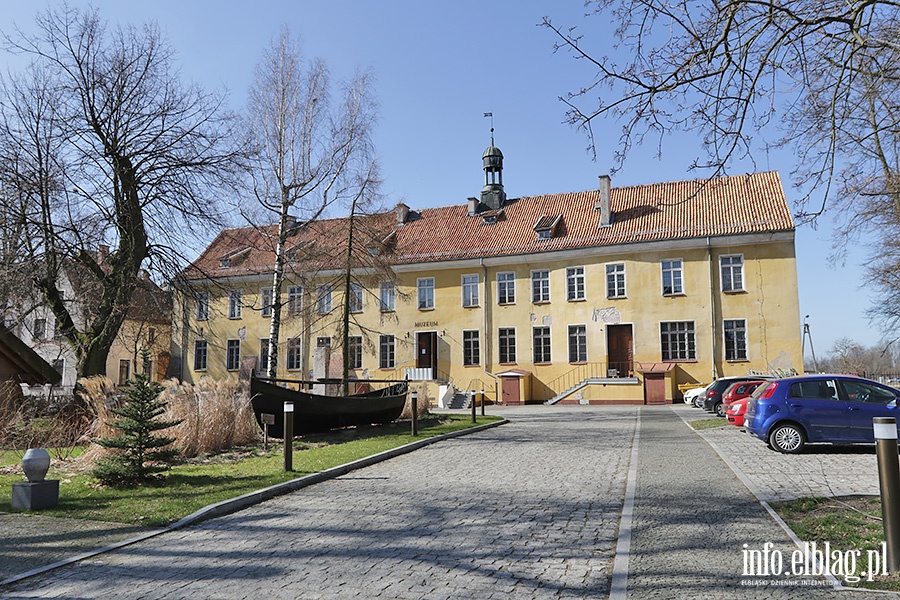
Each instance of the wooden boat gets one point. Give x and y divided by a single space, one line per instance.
314 412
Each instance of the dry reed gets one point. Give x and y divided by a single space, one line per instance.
422 405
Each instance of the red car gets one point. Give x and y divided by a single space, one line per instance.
736 411
735 394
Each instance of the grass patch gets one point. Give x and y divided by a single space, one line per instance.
709 423
206 480
847 523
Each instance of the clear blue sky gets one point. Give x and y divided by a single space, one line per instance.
439 66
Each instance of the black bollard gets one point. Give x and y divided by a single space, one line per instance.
288 436
415 412
889 482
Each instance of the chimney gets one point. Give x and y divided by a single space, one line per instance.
402 211
603 204
473 206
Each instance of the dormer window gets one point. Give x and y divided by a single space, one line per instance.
489 217
547 227
234 257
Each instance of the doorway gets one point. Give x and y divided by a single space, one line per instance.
426 350
619 344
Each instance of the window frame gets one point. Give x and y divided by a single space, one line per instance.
266 301
677 289
471 346
540 282
732 268
387 351
506 288
506 345
228 354
580 347
425 285
355 351
546 347
295 300
324 298
579 293
356 297
678 345
471 297
201 306
615 278
264 354
732 348
205 351
387 291
235 304
294 354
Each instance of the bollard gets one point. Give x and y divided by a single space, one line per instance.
889 482
482 403
288 436
474 420
415 412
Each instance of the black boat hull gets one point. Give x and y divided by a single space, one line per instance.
314 413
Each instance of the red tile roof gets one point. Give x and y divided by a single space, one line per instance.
725 206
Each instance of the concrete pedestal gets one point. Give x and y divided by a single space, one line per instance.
35 495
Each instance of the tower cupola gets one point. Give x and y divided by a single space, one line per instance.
492 195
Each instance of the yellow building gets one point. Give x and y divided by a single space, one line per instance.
606 295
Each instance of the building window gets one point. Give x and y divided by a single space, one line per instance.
386 296
202 308
355 350
40 329
426 293
677 340
295 300
506 288
540 337
294 354
386 351
323 342
124 371
59 365
356 298
324 299
615 280
735 339
672 280
234 304
470 290
201 354
577 343
265 302
471 348
732 272
233 355
575 283
263 365
540 286
507 346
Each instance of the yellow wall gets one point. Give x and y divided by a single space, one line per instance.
769 304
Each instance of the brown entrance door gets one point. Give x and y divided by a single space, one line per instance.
654 388
426 345
510 388
621 352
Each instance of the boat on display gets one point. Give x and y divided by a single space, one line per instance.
317 412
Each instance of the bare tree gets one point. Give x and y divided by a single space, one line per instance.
306 151
109 147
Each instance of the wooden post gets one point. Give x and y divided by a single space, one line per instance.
288 436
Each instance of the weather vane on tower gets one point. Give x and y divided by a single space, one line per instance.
491 115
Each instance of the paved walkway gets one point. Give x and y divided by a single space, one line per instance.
527 510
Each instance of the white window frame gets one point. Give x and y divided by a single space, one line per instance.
675 274
295 300
534 346
201 309
323 341
235 304
581 345
738 344
575 284
540 284
355 351
387 352
266 300
324 303
356 297
228 346
616 283
294 354
264 355
470 290
681 342
197 346
425 285
736 265
510 356
506 288
471 345
386 296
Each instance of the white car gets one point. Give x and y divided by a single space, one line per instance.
691 395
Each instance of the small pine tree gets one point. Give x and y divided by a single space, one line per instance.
144 453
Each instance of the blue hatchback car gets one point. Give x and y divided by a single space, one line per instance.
791 412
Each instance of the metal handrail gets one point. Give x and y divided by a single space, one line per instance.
582 373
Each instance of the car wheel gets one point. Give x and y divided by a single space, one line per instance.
719 409
697 402
787 438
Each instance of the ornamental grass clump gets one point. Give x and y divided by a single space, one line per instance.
142 453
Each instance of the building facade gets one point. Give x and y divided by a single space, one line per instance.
606 295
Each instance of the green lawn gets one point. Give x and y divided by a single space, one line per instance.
190 487
709 423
